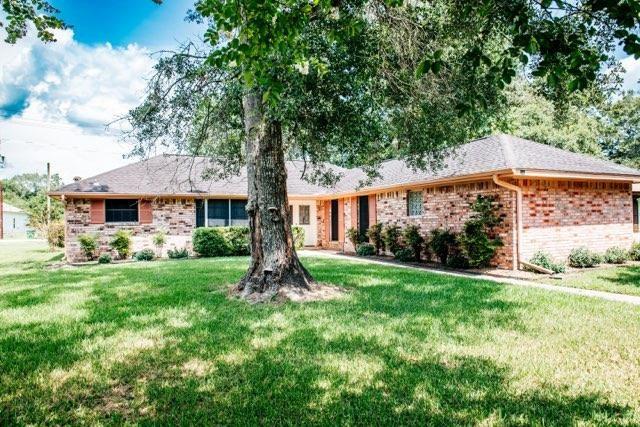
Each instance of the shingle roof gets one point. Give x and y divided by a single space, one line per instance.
170 174
500 152
173 174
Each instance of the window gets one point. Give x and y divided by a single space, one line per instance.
226 212
304 214
199 213
414 203
121 210
636 212
218 212
239 212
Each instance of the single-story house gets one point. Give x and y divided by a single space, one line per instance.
550 199
15 222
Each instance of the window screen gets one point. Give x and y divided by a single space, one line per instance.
218 213
121 210
239 212
304 214
414 203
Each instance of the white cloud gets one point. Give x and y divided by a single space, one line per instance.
632 73
71 82
57 99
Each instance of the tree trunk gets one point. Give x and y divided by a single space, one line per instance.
274 263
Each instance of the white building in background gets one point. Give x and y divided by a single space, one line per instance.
14 222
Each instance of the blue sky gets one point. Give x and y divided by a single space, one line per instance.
122 22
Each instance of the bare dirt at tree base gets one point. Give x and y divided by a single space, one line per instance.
318 292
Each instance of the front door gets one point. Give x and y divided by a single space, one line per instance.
363 214
334 220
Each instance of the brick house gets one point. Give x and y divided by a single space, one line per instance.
549 199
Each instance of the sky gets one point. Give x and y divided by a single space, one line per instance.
56 99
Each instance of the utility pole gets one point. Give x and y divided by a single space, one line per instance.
1 197
48 198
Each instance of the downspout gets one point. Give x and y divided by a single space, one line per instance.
518 191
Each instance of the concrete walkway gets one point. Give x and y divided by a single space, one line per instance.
609 296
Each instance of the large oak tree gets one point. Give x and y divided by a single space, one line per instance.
354 81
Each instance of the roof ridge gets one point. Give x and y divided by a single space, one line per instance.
506 145
586 156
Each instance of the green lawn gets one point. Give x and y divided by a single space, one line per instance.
161 343
621 280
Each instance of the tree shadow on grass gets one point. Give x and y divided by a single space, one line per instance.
377 387
163 344
628 276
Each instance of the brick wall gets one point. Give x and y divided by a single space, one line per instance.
443 207
561 215
176 217
449 207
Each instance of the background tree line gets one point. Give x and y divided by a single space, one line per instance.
28 191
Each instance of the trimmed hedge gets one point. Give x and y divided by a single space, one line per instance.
210 242
544 260
634 252
104 259
237 240
584 258
144 255
231 241
615 255
182 253
404 255
366 249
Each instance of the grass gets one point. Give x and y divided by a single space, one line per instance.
160 343
623 279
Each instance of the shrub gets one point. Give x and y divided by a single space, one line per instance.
121 243
159 240
477 240
366 249
210 242
544 260
104 259
414 241
404 254
443 243
178 253
457 259
237 240
375 237
391 238
54 233
298 236
89 245
634 252
615 255
583 258
144 255
354 236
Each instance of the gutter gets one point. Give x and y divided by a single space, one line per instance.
518 191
